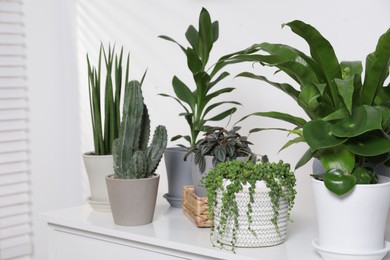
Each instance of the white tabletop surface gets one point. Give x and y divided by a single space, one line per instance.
172 229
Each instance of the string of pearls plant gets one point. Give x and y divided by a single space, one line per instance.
277 176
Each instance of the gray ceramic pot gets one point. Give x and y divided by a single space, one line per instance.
132 200
178 173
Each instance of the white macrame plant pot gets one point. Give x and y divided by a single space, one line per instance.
261 219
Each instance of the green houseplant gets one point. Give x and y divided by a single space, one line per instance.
198 102
135 162
249 203
104 99
348 126
218 145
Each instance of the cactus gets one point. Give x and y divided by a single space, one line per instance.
133 158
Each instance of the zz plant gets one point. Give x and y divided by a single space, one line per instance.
133 158
223 145
349 115
277 176
198 103
105 132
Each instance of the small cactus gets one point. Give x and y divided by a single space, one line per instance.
133 158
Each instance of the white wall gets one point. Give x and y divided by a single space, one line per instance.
60 125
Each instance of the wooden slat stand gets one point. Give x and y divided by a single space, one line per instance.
195 208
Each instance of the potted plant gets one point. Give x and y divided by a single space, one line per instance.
348 131
198 104
249 203
103 107
218 145
133 188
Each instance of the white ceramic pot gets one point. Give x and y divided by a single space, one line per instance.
98 167
261 219
355 222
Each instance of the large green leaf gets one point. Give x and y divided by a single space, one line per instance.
341 159
350 69
338 114
318 135
308 98
346 89
363 119
215 105
300 122
223 115
322 52
369 146
193 61
183 92
205 42
192 37
286 88
306 157
215 28
218 79
217 93
339 182
377 69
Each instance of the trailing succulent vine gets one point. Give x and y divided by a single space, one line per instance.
133 158
277 176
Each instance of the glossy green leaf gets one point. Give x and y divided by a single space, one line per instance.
318 135
192 37
363 119
223 115
308 98
338 114
300 122
362 175
377 69
306 157
341 159
193 61
322 52
339 182
371 146
346 90
183 92
286 88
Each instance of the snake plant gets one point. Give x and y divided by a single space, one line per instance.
349 115
105 132
133 158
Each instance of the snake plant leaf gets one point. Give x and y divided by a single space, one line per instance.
306 157
286 88
223 115
193 62
215 105
377 69
172 40
192 37
322 52
183 92
341 159
370 147
318 135
363 119
346 89
339 182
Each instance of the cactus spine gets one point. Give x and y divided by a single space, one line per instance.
133 158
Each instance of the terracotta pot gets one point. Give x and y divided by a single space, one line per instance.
132 200
98 167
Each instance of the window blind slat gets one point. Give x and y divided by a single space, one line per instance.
12 168
14 220
14 157
9 39
15 231
13 103
6 179
12 82
12 71
15 210
14 199
7 49
16 251
10 17
12 92
13 114
9 6
12 136
12 61
13 125
11 28
7 190
15 146
14 241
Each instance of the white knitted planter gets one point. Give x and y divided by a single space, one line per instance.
261 219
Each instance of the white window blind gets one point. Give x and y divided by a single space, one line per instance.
15 208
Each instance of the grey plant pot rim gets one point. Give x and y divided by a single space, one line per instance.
92 154
362 186
111 177
176 149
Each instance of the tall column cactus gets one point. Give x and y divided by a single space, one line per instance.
133 158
